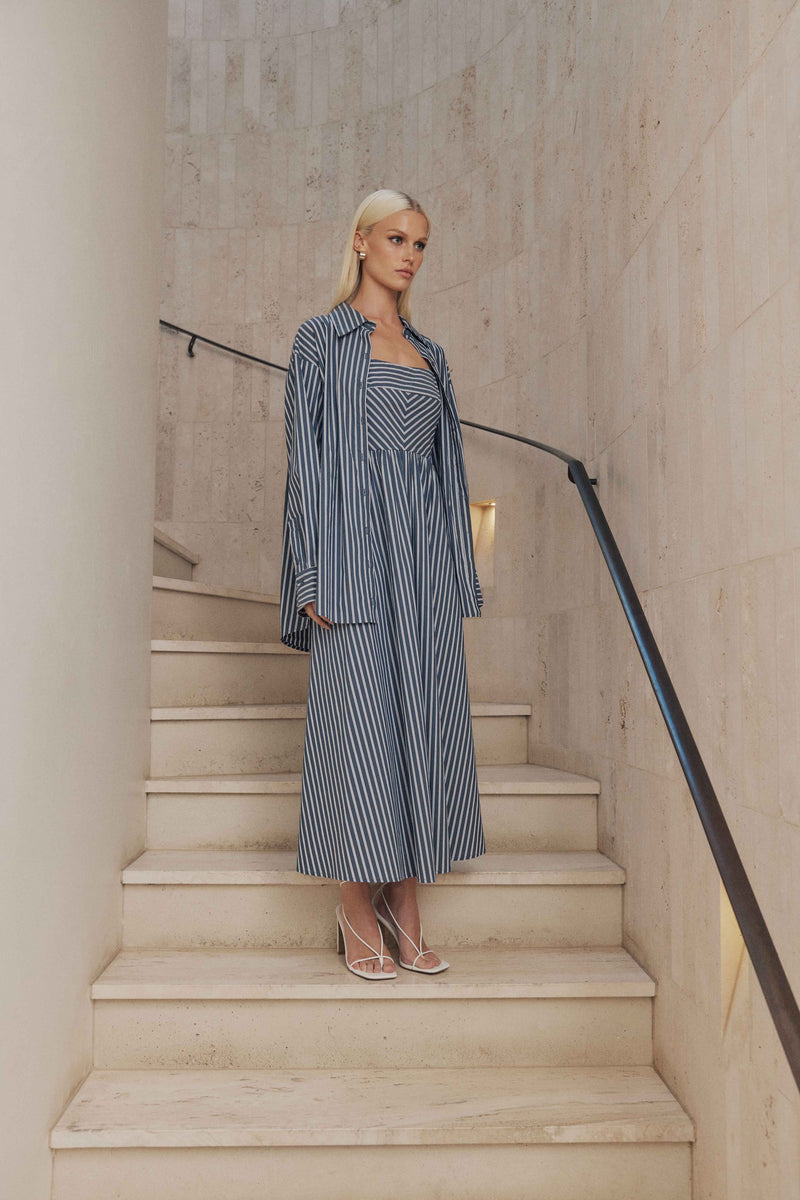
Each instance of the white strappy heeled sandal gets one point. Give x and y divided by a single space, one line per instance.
396 929
341 948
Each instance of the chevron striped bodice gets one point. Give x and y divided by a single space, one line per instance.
403 407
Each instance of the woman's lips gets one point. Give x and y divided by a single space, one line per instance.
400 271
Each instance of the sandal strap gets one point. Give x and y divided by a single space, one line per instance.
381 956
420 953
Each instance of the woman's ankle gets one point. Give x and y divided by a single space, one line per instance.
355 894
401 888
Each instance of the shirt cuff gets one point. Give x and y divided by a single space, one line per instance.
479 598
306 587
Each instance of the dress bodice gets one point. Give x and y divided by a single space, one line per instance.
403 407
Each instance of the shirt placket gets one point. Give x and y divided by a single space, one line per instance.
362 451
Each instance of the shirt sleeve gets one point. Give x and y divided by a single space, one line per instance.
303 413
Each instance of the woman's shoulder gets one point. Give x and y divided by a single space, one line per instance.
315 332
310 338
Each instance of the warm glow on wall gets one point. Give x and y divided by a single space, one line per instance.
732 954
482 516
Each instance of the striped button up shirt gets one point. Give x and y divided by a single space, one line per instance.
326 553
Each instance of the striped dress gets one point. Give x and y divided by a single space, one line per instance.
389 782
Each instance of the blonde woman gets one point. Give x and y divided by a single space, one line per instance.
377 573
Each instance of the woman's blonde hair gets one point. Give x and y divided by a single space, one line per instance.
372 209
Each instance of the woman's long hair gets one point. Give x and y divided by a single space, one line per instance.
372 209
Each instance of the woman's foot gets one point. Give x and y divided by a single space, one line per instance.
356 903
402 899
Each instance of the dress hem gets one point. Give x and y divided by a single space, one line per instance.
392 878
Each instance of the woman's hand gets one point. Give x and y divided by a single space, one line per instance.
311 611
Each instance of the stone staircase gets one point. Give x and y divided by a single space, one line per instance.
235 1057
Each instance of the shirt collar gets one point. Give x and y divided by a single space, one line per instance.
345 318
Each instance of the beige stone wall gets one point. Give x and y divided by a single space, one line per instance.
613 269
82 107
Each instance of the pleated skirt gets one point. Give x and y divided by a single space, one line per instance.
389 781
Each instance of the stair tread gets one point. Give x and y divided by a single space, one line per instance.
265 712
168 584
508 778
588 867
189 646
404 1106
308 974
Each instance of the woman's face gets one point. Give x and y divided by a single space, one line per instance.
394 249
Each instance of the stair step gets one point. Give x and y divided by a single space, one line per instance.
303 1008
185 672
316 974
599 1171
190 609
525 807
198 588
512 1133
254 898
170 558
266 712
190 646
586 867
508 778
445 1106
259 737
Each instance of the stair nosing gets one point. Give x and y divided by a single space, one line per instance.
209 646
490 782
166 583
266 712
489 869
504 977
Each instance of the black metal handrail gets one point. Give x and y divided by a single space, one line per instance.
757 938
196 337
